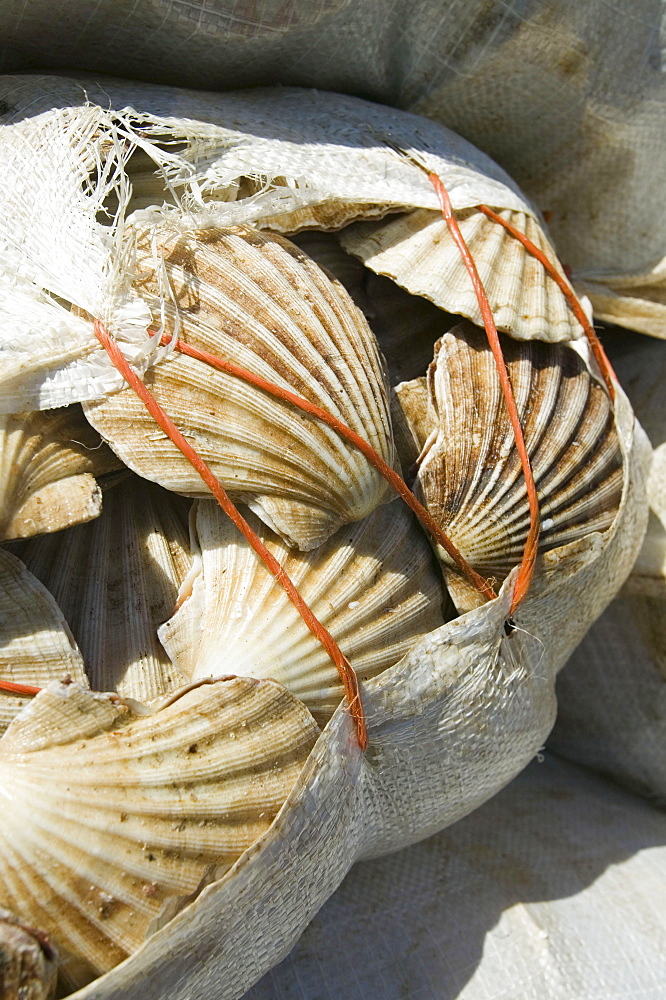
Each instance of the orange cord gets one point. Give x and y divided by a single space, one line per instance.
345 669
600 355
19 688
532 542
389 474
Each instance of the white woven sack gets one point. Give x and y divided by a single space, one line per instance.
612 693
470 705
552 891
567 96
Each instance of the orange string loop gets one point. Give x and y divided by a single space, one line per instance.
13 688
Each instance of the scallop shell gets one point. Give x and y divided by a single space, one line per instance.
36 645
634 301
48 461
417 251
470 473
116 580
117 820
259 301
375 585
413 419
406 326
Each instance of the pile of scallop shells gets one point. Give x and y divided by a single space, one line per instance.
188 781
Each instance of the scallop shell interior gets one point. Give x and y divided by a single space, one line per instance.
470 474
48 461
418 251
116 580
118 819
375 585
261 302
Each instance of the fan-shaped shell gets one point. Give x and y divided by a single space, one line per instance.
418 251
470 473
261 302
116 580
117 819
36 645
47 465
406 326
375 586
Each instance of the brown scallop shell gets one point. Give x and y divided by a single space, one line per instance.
116 580
470 473
36 645
418 251
48 461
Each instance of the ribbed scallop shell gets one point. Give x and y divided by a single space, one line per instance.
36 645
418 251
470 473
413 420
116 580
406 326
116 819
375 585
48 461
260 301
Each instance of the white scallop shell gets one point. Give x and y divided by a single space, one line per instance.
116 580
36 645
470 473
374 585
117 819
417 251
261 302
48 461
635 301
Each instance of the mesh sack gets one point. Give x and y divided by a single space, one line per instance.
472 702
530 896
612 693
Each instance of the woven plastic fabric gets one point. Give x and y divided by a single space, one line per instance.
612 693
552 891
567 96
